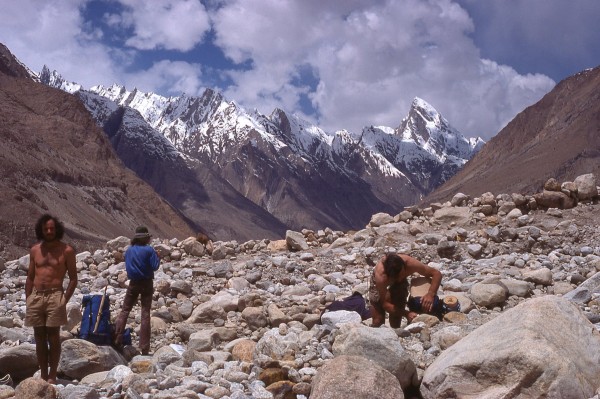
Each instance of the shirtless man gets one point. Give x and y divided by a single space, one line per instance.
49 261
388 289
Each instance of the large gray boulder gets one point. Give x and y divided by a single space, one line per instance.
355 377
80 358
379 219
554 199
280 345
193 247
295 241
458 215
78 392
207 312
116 243
542 348
382 346
336 318
13 334
18 361
488 295
517 287
586 187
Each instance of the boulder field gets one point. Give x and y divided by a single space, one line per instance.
244 322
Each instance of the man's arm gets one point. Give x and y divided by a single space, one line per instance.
381 284
415 266
154 260
71 271
30 275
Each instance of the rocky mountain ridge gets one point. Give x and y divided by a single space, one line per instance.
244 322
558 137
301 175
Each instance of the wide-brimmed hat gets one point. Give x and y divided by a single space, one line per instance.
142 232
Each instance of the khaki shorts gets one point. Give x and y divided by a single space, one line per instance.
46 308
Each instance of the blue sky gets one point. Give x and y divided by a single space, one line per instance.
342 64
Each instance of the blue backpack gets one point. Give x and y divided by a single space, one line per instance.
95 324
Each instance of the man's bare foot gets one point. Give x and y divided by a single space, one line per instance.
411 316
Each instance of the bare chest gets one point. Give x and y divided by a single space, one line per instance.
53 259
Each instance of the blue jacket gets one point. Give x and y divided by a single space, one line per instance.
141 261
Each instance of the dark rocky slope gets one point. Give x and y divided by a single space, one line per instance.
557 137
55 159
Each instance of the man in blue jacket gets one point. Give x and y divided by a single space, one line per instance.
141 261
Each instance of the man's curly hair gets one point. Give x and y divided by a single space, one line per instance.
39 227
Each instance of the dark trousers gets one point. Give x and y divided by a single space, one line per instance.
144 289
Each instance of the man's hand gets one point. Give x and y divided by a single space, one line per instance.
427 302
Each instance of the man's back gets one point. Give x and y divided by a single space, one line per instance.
140 262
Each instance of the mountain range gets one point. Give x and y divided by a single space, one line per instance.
297 174
107 159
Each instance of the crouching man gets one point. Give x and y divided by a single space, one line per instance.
388 288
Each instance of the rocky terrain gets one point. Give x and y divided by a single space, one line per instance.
245 322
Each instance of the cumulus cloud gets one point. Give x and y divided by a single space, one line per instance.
168 78
168 24
371 60
55 34
346 64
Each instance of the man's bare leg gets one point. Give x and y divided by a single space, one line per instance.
54 353
377 317
395 320
41 350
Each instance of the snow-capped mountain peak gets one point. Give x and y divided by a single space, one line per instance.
430 130
54 79
284 159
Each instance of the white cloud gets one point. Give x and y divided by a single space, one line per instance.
169 24
372 59
167 78
54 33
